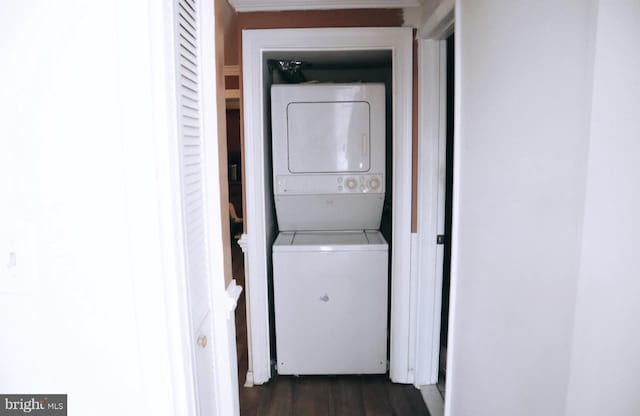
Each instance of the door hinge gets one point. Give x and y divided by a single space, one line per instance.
440 239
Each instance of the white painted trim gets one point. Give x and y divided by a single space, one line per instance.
233 294
249 380
431 200
256 255
413 308
276 5
438 24
243 242
223 323
433 399
399 365
455 215
399 41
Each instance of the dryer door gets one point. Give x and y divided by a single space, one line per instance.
329 137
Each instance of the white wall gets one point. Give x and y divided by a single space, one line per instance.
80 209
606 347
523 102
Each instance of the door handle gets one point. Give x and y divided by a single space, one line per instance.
364 144
202 341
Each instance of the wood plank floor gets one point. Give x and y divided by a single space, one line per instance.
317 395
331 396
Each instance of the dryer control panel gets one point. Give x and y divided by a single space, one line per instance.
329 184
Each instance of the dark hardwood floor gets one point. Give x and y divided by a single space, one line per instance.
317 395
331 395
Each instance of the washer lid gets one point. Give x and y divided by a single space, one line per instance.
330 241
305 238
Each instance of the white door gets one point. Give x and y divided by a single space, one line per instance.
192 157
204 368
204 213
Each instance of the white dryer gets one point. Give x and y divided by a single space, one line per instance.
328 145
330 264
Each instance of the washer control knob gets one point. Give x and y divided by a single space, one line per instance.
351 183
374 183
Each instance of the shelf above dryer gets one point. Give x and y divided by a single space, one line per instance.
232 90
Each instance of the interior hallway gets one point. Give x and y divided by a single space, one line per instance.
371 395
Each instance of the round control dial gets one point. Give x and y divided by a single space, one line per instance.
374 183
351 183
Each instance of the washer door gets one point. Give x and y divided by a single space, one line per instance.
329 137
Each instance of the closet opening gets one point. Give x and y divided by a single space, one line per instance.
379 55
321 68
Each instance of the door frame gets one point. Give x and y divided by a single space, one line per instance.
256 42
223 297
431 203
432 96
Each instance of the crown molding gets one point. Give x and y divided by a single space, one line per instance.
280 5
437 19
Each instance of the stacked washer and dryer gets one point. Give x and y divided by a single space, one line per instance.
330 262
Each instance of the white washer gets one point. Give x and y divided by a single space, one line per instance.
330 291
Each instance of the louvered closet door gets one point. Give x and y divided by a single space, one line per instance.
191 154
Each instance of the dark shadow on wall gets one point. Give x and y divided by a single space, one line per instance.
446 270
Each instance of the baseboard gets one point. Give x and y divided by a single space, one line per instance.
433 399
